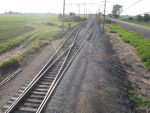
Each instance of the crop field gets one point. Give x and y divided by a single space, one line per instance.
23 29
27 31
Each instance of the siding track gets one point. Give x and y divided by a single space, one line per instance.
32 97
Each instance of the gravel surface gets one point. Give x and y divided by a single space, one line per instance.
137 73
133 27
33 65
93 83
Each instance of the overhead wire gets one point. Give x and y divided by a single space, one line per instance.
132 5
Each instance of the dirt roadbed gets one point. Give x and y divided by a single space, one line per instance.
33 65
137 73
93 83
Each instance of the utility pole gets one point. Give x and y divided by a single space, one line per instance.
84 10
63 15
104 16
79 9
99 15
69 21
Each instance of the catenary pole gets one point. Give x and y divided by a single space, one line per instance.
104 16
63 15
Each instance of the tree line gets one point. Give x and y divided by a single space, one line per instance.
72 17
117 10
144 18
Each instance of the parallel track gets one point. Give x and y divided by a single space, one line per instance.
34 97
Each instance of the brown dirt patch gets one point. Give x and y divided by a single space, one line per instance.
137 73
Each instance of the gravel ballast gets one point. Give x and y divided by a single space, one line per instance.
35 62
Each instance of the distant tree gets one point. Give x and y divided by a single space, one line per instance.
77 18
60 16
6 13
146 17
116 11
10 12
139 17
72 14
130 18
109 15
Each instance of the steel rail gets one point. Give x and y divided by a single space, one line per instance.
79 40
37 77
31 85
58 78
43 70
50 60
8 78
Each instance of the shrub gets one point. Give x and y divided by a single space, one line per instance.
10 63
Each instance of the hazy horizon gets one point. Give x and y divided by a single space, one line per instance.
49 6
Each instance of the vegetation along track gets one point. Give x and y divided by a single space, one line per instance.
32 99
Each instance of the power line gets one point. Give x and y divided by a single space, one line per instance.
132 5
79 5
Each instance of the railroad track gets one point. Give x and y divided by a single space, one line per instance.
33 97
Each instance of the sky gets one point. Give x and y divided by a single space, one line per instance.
55 6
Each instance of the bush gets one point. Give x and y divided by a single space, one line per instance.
146 17
130 18
138 99
108 21
139 18
10 63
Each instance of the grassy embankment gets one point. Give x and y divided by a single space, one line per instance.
142 46
33 30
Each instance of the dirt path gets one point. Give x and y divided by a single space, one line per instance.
19 50
133 27
15 52
93 83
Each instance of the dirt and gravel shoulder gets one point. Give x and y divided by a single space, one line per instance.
136 71
94 82
30 68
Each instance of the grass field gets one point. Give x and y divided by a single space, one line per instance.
33 30
18 29
141 44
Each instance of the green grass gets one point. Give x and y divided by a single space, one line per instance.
36 46
9 44
34 30
11 62
18 29
137 99
16 60
141 44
